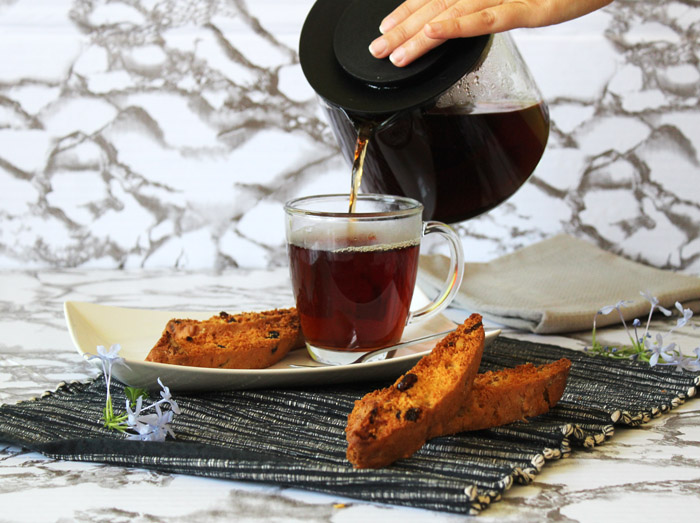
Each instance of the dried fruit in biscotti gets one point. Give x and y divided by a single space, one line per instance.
508 395
250 340
394 422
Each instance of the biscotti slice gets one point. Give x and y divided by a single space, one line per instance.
394 422
502 397
250 340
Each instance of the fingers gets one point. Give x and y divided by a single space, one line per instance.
400 14
417 26
465 22
414 35
412 49
409 28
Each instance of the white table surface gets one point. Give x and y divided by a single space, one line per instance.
641 474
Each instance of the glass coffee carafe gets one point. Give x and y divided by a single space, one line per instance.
460 130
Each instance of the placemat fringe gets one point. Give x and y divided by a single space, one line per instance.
295 437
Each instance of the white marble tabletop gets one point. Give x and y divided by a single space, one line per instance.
168 133
646 473
143 134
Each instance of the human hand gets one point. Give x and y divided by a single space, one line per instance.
416 26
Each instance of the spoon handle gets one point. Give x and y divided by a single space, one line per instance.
398 346
369 355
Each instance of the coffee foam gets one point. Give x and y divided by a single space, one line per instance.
357 236
378 247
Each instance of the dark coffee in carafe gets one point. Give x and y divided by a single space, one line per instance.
457 165
460 130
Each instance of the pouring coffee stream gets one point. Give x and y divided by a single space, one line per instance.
430 141
364 134
460 130
364 129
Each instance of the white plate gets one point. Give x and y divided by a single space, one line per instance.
137 330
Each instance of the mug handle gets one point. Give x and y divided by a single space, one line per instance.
454 277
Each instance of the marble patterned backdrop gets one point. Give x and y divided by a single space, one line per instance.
168 133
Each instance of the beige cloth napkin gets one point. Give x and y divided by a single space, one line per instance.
559 284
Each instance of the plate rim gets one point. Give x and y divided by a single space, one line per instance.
74 307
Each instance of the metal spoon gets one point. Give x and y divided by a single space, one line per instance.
369 355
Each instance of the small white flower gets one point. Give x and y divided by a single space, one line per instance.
166 397
609 308
147 427
690 363
154 427
658 350
107 357
685 363
133 415
650 297
686 314
655 302
111 354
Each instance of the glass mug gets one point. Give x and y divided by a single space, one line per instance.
353 274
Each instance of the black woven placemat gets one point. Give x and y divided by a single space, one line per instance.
295 437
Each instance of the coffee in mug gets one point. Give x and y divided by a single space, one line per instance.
353 274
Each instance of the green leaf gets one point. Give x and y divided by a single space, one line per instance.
134 393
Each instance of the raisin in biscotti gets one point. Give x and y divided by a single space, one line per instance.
509 395
250 340
393 423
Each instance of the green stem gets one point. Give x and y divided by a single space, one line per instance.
112 421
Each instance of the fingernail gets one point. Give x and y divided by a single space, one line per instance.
386 25
398 56
378 47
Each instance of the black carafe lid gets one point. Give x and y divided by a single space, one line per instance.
335 59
